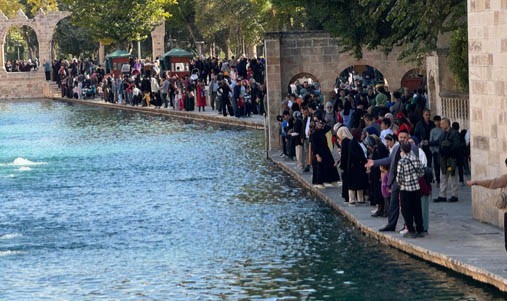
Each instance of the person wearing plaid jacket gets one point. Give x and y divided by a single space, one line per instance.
409 171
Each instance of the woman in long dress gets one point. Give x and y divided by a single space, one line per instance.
201 96
324 169
352 163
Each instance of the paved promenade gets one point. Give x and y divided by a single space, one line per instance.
254 122
454 240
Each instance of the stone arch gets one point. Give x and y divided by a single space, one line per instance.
26 52
369 74
43 24
379 66
301 77
413 79
53 41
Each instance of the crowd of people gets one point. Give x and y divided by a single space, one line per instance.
385 148
22 65
232 87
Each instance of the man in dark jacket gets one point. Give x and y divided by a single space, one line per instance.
422 132
449 145
392 161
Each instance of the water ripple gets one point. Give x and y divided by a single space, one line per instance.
135 207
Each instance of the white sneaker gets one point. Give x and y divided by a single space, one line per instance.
403 231
328 185
319 186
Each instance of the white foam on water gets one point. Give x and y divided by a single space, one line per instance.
11 235
9 252
24 168
20 161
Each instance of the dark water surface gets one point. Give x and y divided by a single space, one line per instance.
102 204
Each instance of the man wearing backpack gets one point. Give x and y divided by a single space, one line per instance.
449 146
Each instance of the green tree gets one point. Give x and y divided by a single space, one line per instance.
10 7
73 41
118 22
415 26
33 7
458 57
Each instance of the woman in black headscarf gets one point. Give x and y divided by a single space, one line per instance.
376 150
324 169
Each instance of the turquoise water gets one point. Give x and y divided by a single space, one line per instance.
103 204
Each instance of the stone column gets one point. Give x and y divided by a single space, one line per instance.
101 54
273 86
2 55
157 40
487 56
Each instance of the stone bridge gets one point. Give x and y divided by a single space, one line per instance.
33 84
316 55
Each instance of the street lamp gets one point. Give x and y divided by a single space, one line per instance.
18 45
200 45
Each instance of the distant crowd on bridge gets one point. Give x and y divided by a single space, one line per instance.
385 149
232 87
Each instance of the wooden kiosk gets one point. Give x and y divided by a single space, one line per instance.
176 61
115 60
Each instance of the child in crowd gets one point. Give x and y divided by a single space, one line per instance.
386 191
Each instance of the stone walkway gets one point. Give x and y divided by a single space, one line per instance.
254 122
454 240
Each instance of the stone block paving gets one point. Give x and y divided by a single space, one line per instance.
454 240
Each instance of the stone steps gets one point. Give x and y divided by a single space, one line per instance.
54 90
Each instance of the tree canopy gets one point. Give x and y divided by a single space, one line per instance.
415 26
118 22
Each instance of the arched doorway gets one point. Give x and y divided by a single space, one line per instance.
414 79
358 77
21 49
303 80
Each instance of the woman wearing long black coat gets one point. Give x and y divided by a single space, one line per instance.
376 150
324 169
352 162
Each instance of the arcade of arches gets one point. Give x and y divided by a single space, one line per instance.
33 84
318 56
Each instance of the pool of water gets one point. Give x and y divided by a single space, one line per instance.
105 204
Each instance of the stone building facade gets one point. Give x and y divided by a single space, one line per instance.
487 38
315 54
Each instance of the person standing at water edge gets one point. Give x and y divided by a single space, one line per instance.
392 161
47 70
409 171
324 170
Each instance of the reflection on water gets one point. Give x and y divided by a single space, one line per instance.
148 208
